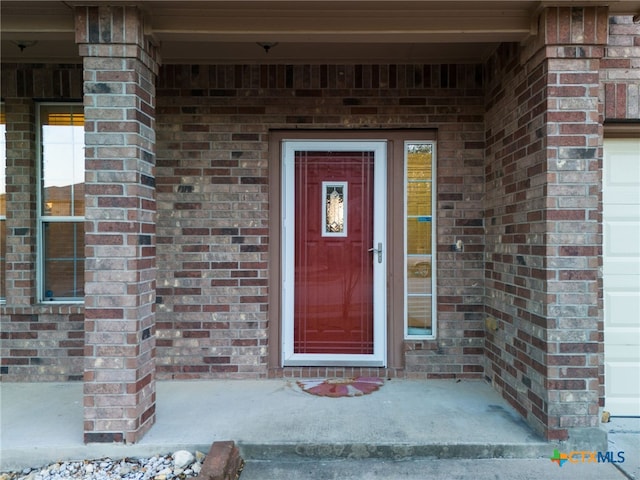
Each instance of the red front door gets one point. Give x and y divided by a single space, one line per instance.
333 300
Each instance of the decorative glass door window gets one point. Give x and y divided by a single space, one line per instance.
419 237
334 220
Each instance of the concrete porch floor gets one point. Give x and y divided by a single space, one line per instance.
43 422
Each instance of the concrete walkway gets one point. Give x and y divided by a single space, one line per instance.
275 420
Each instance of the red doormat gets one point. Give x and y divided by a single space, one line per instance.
341 387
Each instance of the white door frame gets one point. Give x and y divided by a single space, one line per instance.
379 356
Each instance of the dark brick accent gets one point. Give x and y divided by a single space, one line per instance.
144 240
103 437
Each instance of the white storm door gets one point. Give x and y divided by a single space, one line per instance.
334 253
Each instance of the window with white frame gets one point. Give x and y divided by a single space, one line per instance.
3 204
420 304
61 203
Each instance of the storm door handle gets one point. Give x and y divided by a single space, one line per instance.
378 251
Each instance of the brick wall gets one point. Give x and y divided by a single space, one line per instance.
215 298
213 126
42 81
42 344
515 230
620 74
544 139
21 174
38 342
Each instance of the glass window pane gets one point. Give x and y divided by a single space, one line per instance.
62 160
419 198
419 315
3 168
61 196
419 275
335 206
419 281
418 236
63 260
419 161
3 202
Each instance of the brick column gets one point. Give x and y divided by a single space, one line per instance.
120 70
567 55
21 202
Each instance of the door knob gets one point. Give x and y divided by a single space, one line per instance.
378 251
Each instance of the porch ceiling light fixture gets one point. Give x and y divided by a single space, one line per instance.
22 44
267 45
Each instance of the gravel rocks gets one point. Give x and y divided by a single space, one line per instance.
180 465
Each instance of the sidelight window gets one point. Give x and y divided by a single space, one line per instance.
3 204
419 240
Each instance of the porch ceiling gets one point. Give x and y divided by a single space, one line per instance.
307 31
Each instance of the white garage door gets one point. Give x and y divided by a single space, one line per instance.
621 198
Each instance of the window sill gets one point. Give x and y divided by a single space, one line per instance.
61 302
44 308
